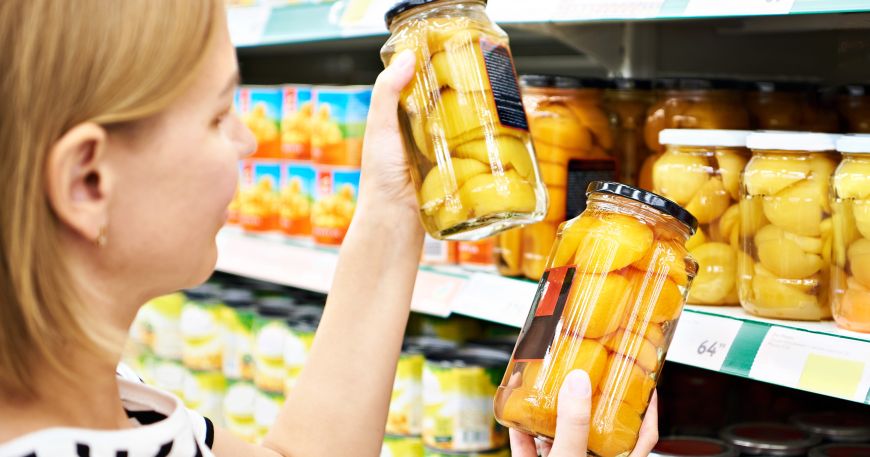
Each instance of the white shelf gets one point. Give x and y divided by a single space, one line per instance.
812 356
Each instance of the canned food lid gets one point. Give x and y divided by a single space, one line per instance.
275 306
841 450
656 201
685 446
407 5
853 144
237 298
836 426
562 82
632 84
427 345
792 141
769 439
698 137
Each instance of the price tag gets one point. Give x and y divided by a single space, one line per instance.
703 341
495 299
248 24
737 7
434 293
815 362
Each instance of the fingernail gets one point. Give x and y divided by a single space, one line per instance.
578 383
404 60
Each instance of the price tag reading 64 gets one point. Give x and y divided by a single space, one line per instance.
703 341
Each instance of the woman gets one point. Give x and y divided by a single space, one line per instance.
118 152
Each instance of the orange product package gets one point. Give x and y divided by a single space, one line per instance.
337 192
296 122
338 124
439 252
608 303
477 254
298 188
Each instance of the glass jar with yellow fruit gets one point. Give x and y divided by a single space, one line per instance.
509 252
700 169
786 225
627 103
568 122
690 104
608 304
850 204
462 120
788 106
854 107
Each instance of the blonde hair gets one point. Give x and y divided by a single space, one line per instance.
111 62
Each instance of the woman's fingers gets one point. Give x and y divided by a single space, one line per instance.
649 431
522 445
572 418
385 94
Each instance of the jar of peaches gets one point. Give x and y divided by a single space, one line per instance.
850 205
700 169
568 122
608 303
786 226
462 119
627 103
690 104
789 106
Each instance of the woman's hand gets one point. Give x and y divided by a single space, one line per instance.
572 424
385 179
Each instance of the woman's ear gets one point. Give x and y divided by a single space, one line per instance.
78 181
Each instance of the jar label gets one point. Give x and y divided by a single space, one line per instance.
549 303
505 88
581 172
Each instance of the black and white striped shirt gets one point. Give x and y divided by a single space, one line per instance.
163 427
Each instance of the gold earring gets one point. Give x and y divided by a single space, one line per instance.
102 238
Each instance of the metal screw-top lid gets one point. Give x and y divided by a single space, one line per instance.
840 427
781 86
562 82
682 446
653 200
407 5
280 307
841 450
769 439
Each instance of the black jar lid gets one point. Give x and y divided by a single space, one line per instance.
678 83
769 439
780 86
841 450
561 82
407 5
836 426
656 201
680 446
631 84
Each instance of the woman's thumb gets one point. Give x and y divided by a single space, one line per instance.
385 94
572 420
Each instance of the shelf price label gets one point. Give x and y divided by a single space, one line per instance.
737 7
703 341
496 299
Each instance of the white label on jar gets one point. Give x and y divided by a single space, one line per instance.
737 7
703 341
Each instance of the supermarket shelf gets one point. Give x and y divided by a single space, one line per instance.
350 19
812 356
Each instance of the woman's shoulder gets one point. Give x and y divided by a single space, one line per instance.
160 426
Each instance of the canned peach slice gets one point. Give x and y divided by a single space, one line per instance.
556 125
525 407
634 346
594 119
558 199
729 223
717 273
710 201
596 304
553 155
614 427
731 164
512 153
573 353
627 382
554 174
770 175
798 208
859 261
487 193
652 332
537 240
451 213
460 66
853 180
441 30
459 113
666 257
603 242
445 180
787 255
657 298
752 217
773 292
861 211
680 176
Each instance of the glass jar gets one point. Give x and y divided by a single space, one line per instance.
850 274
769 439
537 241
627 103
608 303
700 170
509 252
854 107
789 106
690 104
835 426
462 120
785 225
691 446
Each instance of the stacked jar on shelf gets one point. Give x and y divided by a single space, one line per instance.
790 106
700 170
627 102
